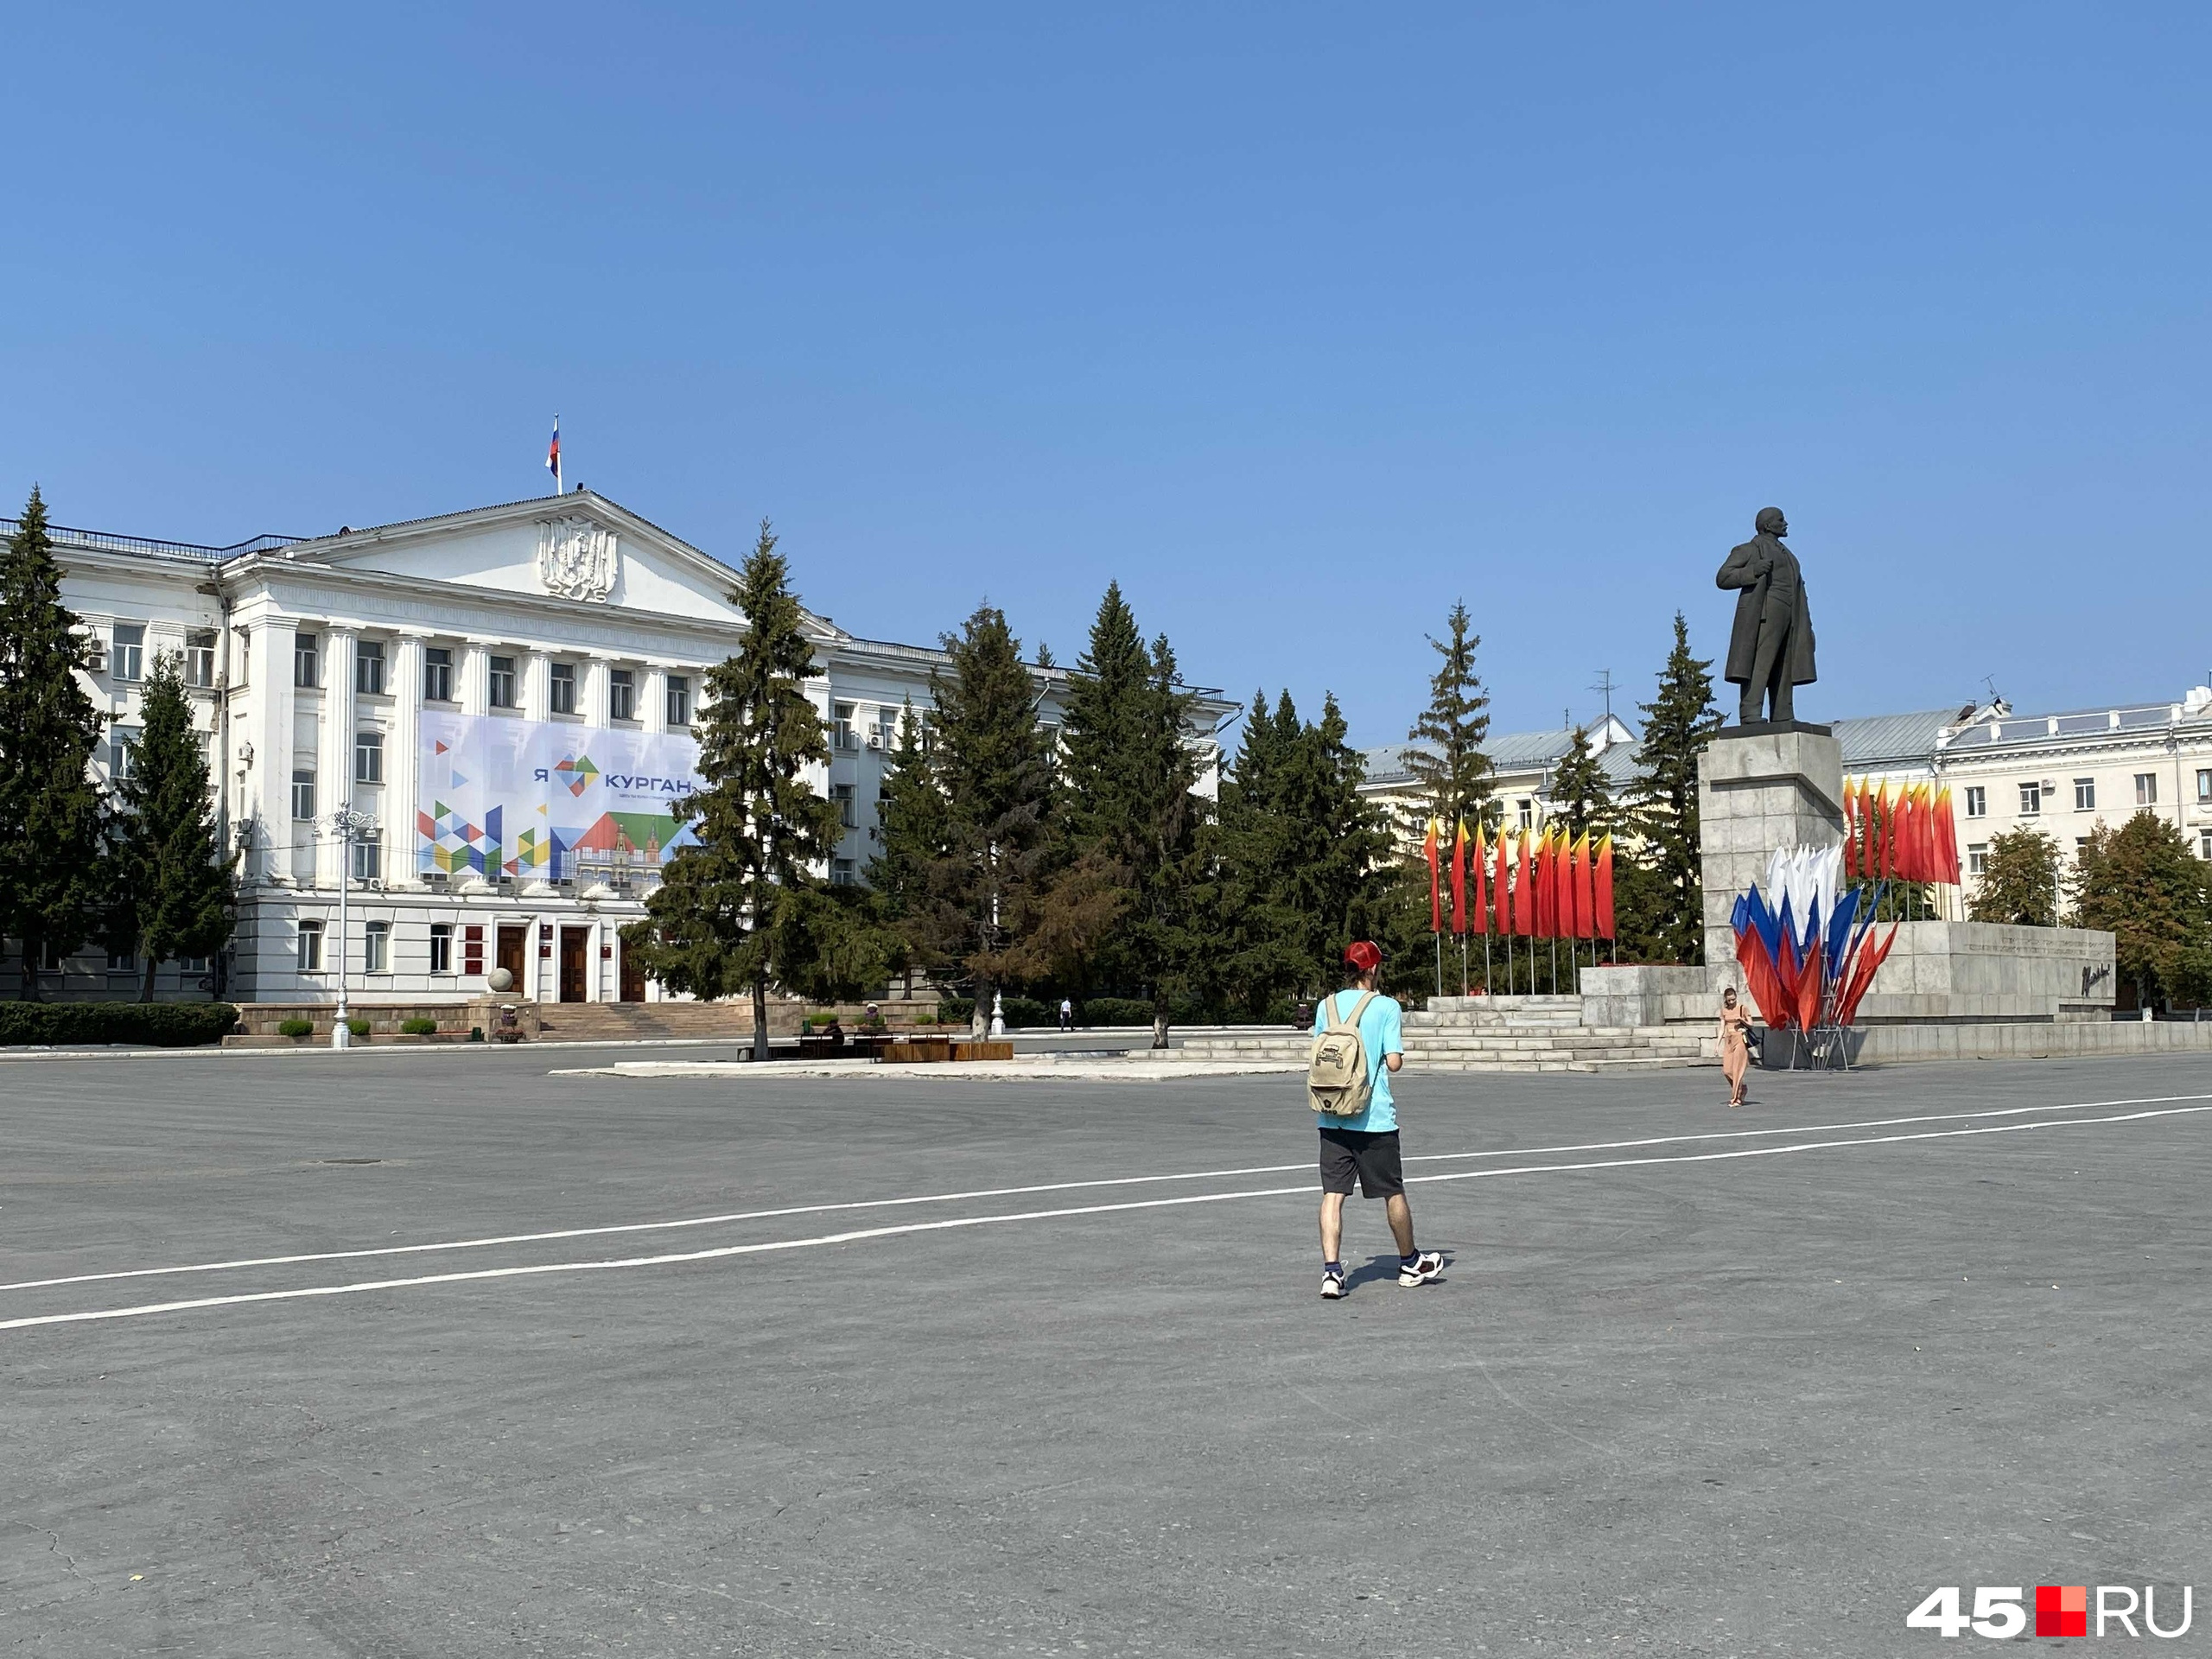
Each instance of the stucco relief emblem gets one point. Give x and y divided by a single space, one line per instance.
576 558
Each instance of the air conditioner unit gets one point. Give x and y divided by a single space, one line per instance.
96 659
2050 784
875 737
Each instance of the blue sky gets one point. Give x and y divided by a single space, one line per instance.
1300 323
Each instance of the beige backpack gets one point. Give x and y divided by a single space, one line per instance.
1336 1069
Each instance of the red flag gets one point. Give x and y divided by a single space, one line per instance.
1946 832
1601 889
1547 885
1585 913
1500 880
1524 889
1850 833
1808 987
1885 827
1435 896
1475 861
1459 879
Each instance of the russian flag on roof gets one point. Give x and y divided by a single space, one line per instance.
553 453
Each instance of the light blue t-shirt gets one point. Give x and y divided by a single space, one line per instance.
1382 1031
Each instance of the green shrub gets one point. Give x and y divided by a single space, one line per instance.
1114 1011
420 1025
955 1010
295 1027
358 1027
157 1024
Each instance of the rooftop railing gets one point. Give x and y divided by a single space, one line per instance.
64 536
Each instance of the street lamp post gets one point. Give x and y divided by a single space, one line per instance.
348 826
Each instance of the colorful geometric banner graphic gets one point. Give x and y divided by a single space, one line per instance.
541 802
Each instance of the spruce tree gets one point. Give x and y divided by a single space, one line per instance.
1669 895
51 818
170 876
1336 852
1257 961
913 831
1446 758
1580 797
1105 730
991 761
716 925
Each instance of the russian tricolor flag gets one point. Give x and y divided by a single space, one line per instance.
553 456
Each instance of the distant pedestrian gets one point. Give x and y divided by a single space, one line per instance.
1364 1145
1067 1014
1735 1045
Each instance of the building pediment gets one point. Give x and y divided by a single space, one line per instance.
580 547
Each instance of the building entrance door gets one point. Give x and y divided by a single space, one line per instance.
575 942
633 975
514 942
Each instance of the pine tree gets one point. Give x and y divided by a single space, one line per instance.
1668 923
1104 729
2141 884
2020 885
717 924
51 818
1447 758
991 761
172 881
1580 797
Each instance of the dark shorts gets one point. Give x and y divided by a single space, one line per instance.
1373 1158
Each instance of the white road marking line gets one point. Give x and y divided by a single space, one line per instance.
861 1235
612 1230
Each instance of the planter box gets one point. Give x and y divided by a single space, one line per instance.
939 1053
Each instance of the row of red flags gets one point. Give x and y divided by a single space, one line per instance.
1539 884
1909 835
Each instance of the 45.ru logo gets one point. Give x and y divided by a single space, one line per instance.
2001 1611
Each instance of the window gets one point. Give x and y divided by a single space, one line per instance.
841 723
2204 843
437 674
841 872
193 964
127 660
368 668
50 959
2085 794
368 858
1977 801
200 658
621 695
122 751
441 947
2146 788
843 794
122 961
311 947
245 655
2204 788
564 688
1527 811
368 757
303 795
679 702
2030 799
1978 858
306 648
376 947
502 691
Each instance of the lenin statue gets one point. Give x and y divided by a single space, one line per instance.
1771 652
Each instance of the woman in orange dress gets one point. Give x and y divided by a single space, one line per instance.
1735 1049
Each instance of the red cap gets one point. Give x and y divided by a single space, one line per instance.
1364 954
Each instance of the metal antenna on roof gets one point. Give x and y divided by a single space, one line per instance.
1990 680
1606 685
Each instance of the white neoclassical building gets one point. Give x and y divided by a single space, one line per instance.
501 699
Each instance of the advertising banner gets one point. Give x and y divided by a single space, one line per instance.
544 802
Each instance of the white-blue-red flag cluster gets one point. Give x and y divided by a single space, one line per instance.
553 456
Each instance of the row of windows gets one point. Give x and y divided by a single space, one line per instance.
2085 794
502 680
1978 851
376 947
126 658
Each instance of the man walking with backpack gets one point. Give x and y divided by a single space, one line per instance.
1359 1041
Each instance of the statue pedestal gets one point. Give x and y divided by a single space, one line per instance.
1779 784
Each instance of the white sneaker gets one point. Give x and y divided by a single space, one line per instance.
1427 1266
1332 1286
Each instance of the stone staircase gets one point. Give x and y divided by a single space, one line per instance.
602 1022
1498 1033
